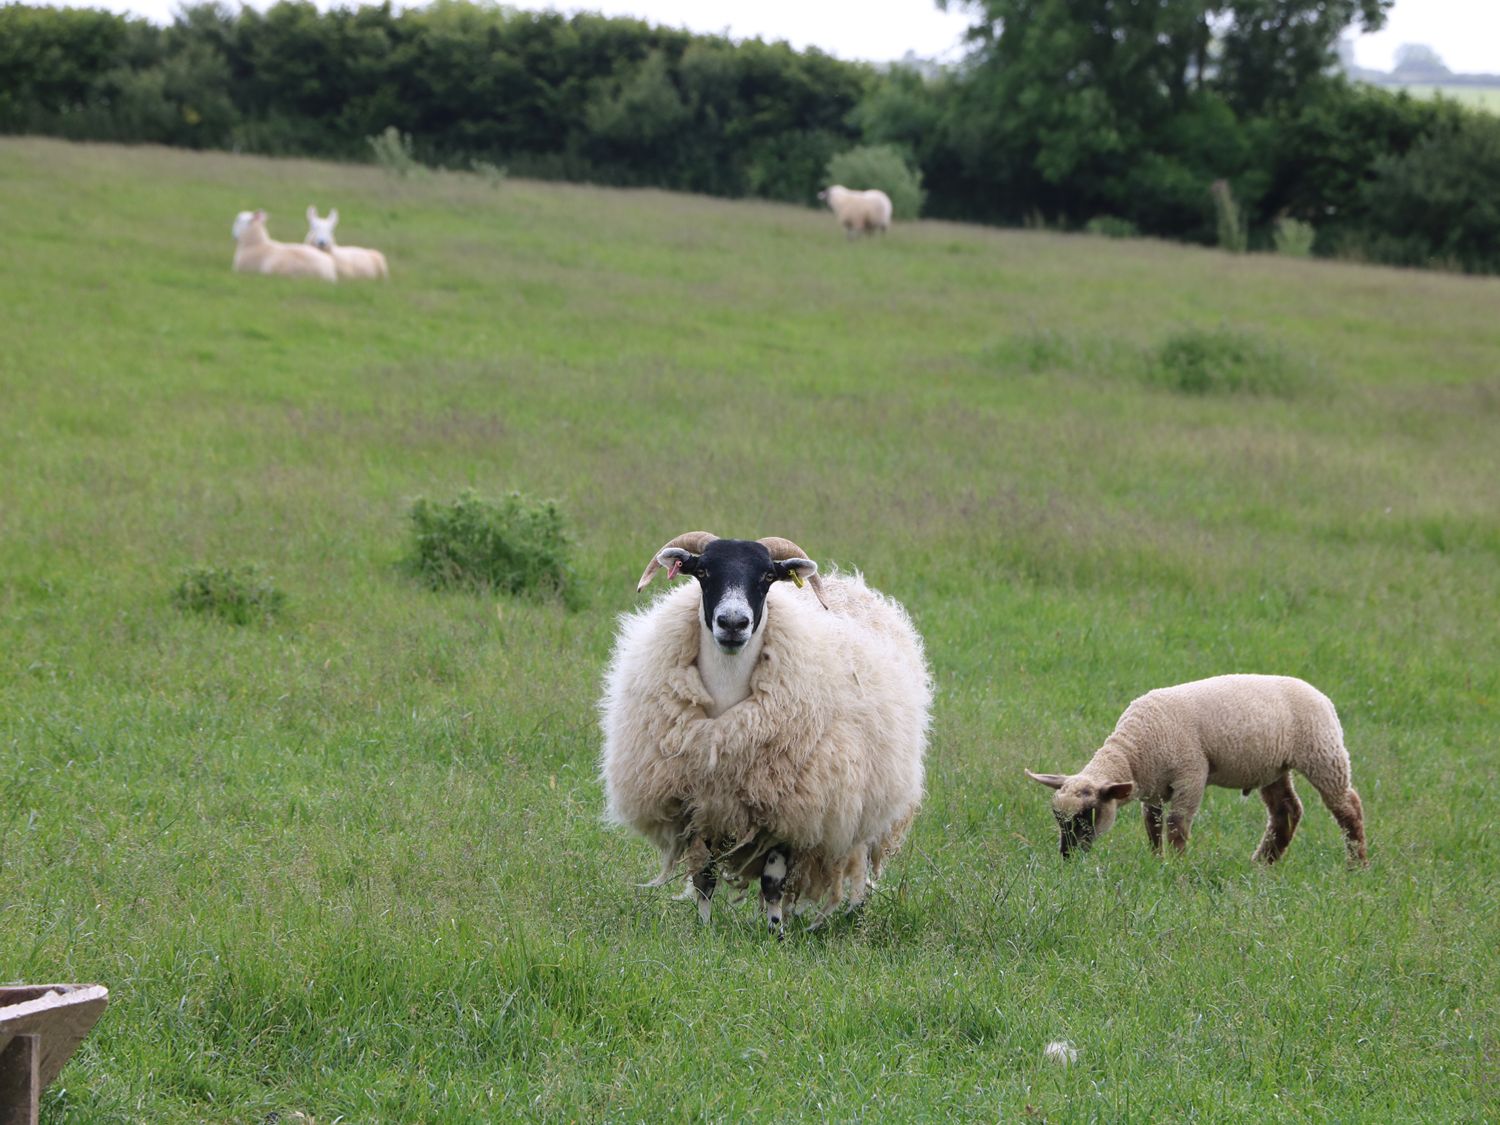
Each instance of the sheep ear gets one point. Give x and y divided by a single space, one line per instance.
312 212
333 216
795 570
1050 780
677 560
1119 791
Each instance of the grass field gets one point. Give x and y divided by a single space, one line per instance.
350 863
1476 97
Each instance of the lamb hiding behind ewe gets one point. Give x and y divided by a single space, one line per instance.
1241 732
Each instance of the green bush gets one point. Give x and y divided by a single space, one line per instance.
1437 204
882 167
1293 238
514 545
1222 361
1111 226
238 594
393 152
492 174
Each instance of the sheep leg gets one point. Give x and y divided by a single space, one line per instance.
1179 827
1283 813
772 887
1349 811
1152 816
704 882
1186 796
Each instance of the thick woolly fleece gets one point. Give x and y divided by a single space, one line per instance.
825 757
860 211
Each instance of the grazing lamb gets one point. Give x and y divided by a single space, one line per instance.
1241 732
257 252
860 212
353 263
755 729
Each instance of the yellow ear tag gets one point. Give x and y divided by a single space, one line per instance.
797 578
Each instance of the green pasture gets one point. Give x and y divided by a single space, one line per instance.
1476 97
349 862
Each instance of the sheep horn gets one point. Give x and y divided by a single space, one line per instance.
693 541
786 549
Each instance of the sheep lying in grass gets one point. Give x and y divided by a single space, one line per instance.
353 263
1241 732
756 730
257 252
859 212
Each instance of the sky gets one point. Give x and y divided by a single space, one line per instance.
1466 33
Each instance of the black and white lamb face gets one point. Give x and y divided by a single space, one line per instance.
735 575
1084 809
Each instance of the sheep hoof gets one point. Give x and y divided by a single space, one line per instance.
704 883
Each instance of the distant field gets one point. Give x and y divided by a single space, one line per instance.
351 863
1480 97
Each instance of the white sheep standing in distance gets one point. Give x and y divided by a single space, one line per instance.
256 251
1241 732
354 263
752 733
859 212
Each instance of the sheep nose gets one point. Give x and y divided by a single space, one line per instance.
733 622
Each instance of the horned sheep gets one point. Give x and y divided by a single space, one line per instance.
354 263
767 726
257 252
1242 732
859 212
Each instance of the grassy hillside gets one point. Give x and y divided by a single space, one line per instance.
1476 97
350 863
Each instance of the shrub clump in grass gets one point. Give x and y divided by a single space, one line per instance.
238 594
1223 361
393 151
1294 238
1111 226
514 545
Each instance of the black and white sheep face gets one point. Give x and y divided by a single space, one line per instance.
1083 809
735 576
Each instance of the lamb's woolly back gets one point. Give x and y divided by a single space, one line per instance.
1251 728
825 755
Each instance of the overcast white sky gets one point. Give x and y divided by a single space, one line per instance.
1466 33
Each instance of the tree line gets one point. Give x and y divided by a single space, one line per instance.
1064 112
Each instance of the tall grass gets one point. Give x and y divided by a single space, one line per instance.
351 864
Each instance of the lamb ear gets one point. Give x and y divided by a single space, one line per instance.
1050 780
1118 791
333 216
312 212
